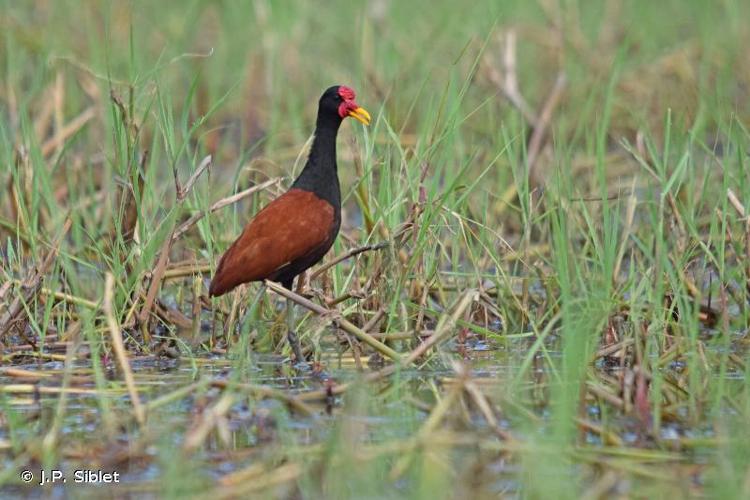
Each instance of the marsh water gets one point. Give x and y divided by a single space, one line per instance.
369 421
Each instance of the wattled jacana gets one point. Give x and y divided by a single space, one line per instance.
295 231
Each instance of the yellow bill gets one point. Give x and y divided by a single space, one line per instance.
361 115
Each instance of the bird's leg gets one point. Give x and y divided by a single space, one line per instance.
291 335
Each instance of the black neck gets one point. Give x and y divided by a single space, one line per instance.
320 175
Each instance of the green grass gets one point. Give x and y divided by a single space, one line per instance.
622 234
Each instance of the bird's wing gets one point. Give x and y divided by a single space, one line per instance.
289 228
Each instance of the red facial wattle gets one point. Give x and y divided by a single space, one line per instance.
349 107
345 107
346 93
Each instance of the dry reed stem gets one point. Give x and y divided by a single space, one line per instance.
21 373
51 438
156 277
119 348
267 392
32 284
611 349
161 265
737 204
342 322
209 419
346 255
430 425
443 328
626 231
129 204
241 485
182 192
506 80
536 142
182 271
68 130
34 388
221 204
